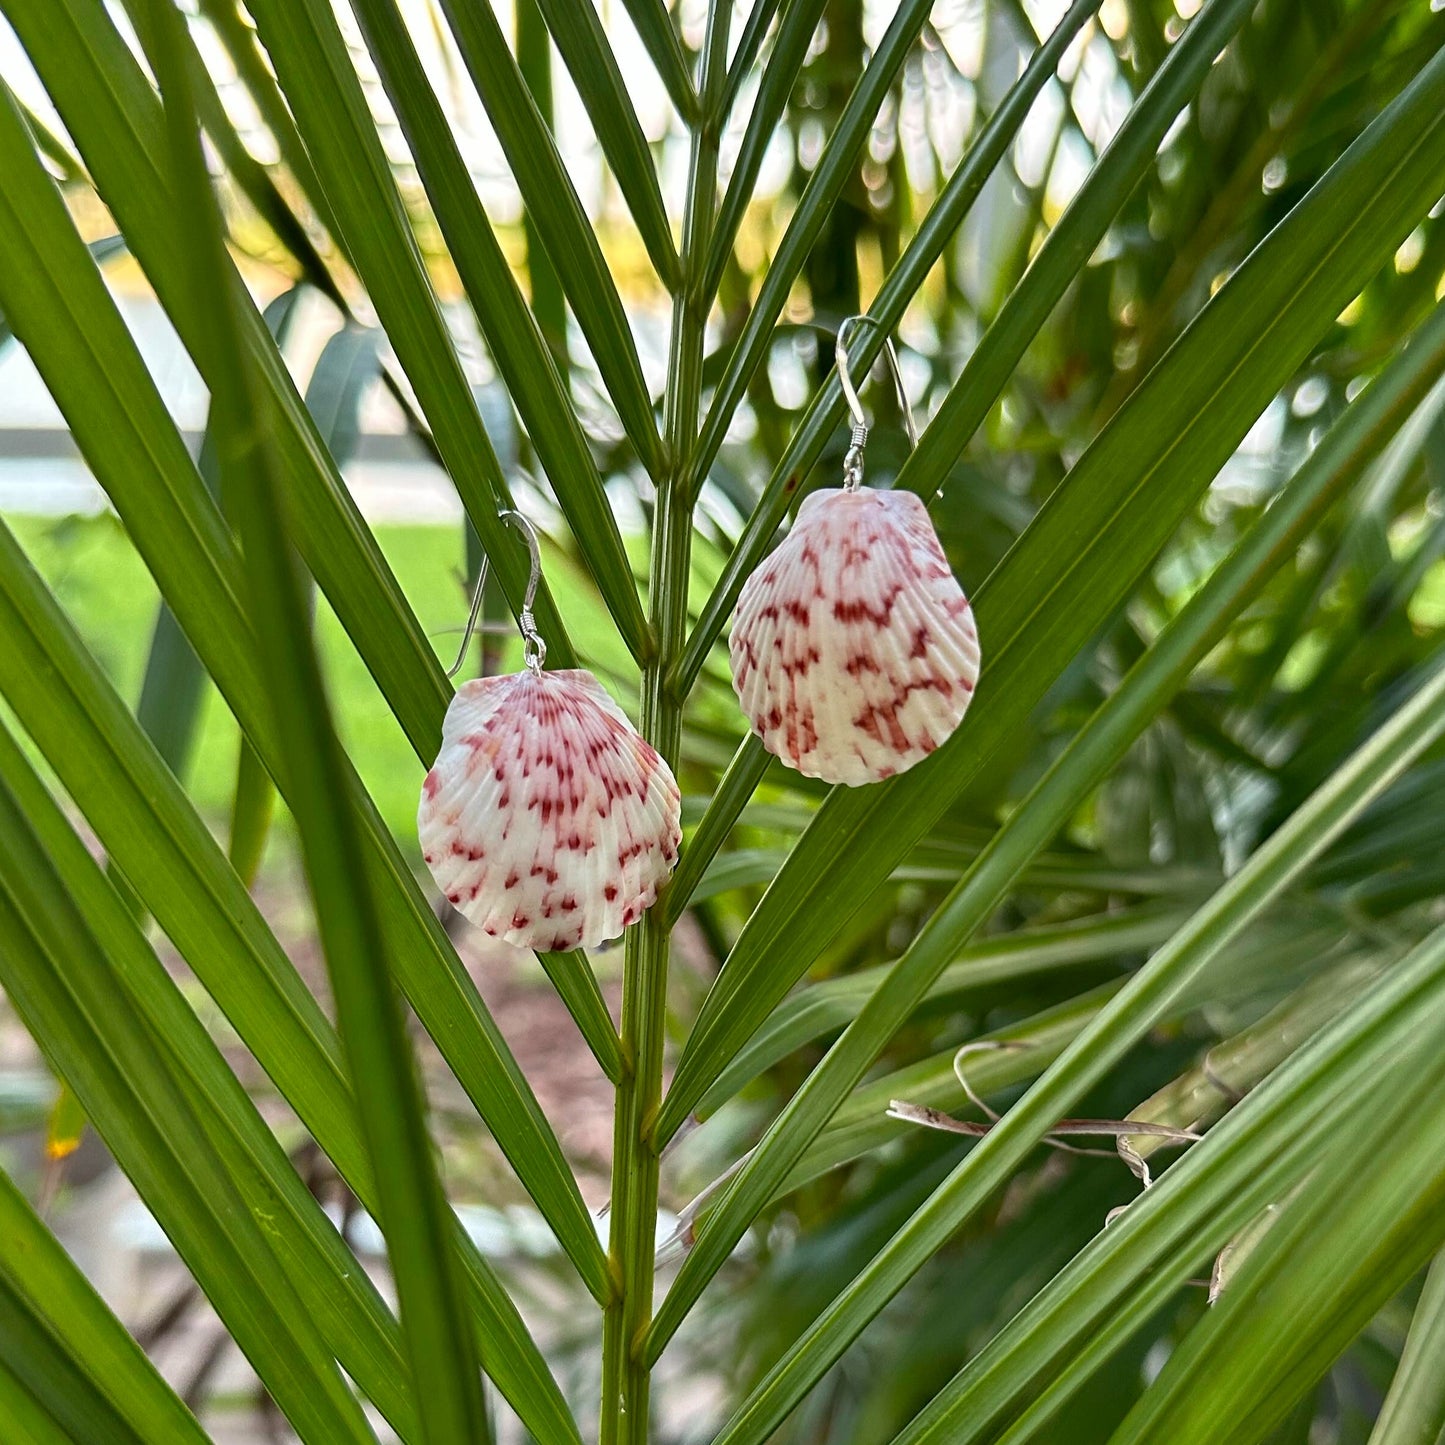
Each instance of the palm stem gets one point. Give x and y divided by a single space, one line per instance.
625 1376
633 1244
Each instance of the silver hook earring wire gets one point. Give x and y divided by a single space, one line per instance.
858 437
534 647
472 616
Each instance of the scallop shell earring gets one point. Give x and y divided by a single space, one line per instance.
854 653
547 820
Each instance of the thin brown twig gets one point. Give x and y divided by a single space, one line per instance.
1115 1128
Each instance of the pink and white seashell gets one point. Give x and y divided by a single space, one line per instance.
547 820
854 652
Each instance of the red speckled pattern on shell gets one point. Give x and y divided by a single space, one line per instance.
853 648
547 820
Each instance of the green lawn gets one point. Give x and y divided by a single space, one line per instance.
95 572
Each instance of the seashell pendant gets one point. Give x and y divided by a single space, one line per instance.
854 652
547 820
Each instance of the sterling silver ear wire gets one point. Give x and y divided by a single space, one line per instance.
472 616
858 437
534 647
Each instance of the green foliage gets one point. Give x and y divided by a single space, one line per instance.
1167 279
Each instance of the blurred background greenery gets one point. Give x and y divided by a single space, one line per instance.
1304 673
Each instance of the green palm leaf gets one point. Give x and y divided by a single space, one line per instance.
655 27
558 215
131 446
1176 1227
348 1310
414 1211
104 1387
111 110
582 40
1329 1253
1169 278
171 691
1415 1406
513 334
1161 670
106 1052
336 124
1102 1043
1164 445
26 1417
825 412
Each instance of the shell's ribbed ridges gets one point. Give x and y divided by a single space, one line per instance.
854 652
547 820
